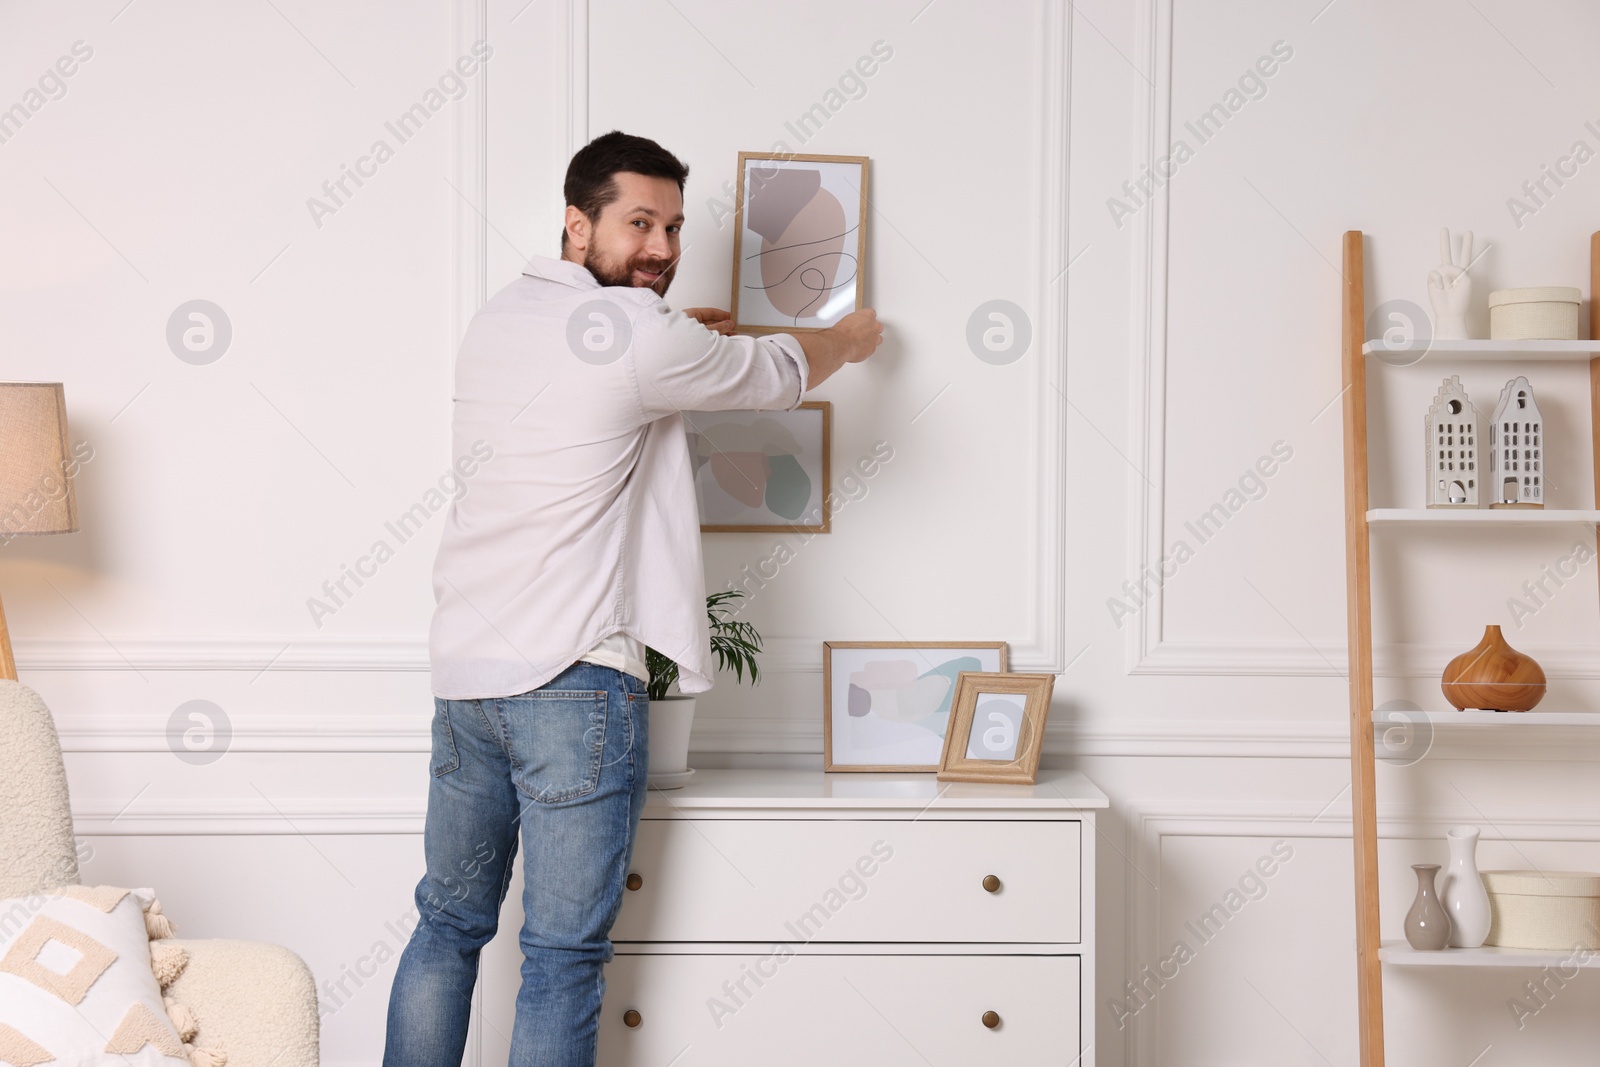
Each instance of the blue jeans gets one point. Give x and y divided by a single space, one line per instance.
566 764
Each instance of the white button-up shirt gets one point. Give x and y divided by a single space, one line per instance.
583 522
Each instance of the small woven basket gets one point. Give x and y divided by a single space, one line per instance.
1554 910
1548 313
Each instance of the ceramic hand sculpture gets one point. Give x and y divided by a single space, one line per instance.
1450 289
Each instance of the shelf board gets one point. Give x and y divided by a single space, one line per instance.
1400 954
1503 351
1496 718
1479 516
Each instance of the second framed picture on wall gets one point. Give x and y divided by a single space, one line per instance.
756 471
885 704
799 241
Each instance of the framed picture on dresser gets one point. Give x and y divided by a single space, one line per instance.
759 471
886 704
996 729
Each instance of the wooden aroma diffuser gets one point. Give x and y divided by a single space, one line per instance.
1493 676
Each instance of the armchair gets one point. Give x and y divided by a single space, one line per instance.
256 1001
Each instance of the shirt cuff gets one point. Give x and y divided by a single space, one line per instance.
790 346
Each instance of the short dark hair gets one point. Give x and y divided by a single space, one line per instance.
591 183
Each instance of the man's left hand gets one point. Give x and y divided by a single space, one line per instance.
714 319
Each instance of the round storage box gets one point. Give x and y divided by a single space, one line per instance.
1554 910
1549 313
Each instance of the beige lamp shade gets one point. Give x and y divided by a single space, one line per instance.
35 493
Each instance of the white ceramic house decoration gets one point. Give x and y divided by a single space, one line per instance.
1516 449
1451 430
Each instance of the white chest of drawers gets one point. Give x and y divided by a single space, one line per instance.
792 917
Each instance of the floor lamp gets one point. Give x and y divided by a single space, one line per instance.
35 489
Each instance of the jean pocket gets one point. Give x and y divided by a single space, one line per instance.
445 758
557 741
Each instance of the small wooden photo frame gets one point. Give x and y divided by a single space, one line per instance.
996 731
799 241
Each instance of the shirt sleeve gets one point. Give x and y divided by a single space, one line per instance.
681 365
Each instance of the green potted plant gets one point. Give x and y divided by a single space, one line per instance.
735 645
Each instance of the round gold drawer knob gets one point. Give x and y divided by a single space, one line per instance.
632 1019
991 1019
992 884
635 880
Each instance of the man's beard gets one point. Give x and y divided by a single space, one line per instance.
609 272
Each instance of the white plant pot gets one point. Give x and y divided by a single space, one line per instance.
1463 892
671 719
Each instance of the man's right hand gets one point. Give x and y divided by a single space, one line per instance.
861 333
850 340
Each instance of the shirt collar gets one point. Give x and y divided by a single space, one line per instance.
563 271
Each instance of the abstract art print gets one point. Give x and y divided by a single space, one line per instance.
996 729
762 470
799 241
886 704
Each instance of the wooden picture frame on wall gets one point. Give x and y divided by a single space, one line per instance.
1009 711
799 241
763 471
886 704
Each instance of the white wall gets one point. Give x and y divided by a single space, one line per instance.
1188 340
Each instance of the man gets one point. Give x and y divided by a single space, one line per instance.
575 544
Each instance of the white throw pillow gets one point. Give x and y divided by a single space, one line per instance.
76 985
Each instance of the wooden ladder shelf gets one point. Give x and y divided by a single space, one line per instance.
1358 577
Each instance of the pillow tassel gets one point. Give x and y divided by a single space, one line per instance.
167 962
206 1057
156 924
183 1019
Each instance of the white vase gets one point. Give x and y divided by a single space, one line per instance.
670 721
1462 890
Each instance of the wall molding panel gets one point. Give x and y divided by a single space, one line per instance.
214 816
1269 739
1151 824
1042 649
470 174
577 75
1147 650
1046 651
784 655
1147 387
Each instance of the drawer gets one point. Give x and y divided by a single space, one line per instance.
854 880
804 1010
